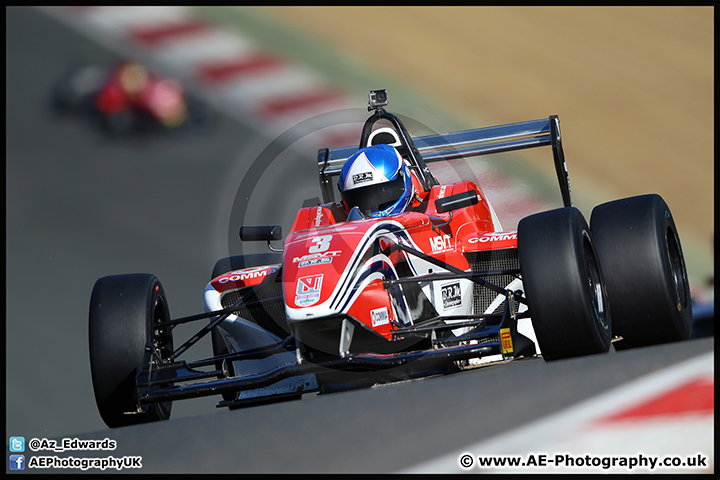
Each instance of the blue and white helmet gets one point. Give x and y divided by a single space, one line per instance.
376 180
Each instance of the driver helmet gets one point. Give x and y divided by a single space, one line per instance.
376 180
133 77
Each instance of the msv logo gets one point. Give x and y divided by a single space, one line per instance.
441 243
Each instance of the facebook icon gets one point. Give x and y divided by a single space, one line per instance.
17 462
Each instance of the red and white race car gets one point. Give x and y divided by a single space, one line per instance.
126 97
399 278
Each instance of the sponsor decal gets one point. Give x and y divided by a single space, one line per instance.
362 177
494 237
451 295
315 261
318 216
316 256
506 341
242 275
441 243
379 316
308 289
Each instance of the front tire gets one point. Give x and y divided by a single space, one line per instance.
641 257
118 124
563 284
75 90
124 313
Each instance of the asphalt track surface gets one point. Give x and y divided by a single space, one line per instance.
81 206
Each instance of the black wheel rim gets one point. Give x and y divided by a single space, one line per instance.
677 268
162 344
594 283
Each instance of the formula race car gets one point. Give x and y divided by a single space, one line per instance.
126 97
400 278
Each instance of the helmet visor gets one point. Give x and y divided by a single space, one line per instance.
375 198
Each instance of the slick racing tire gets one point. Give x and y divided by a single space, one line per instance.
124 310
64 99
645 275
119 124
75 90
563 284
199 114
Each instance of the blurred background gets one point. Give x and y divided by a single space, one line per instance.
633 87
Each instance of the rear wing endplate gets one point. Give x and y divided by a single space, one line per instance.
465 144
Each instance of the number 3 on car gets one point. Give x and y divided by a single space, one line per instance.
320 244
435 287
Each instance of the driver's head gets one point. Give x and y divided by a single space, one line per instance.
133 77
376 180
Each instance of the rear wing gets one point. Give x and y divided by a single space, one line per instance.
464 144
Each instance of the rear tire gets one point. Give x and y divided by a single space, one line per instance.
641 257
563 284
124 310
199 114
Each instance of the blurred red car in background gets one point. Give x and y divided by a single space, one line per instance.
127 97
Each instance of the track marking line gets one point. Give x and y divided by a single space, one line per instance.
584 428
